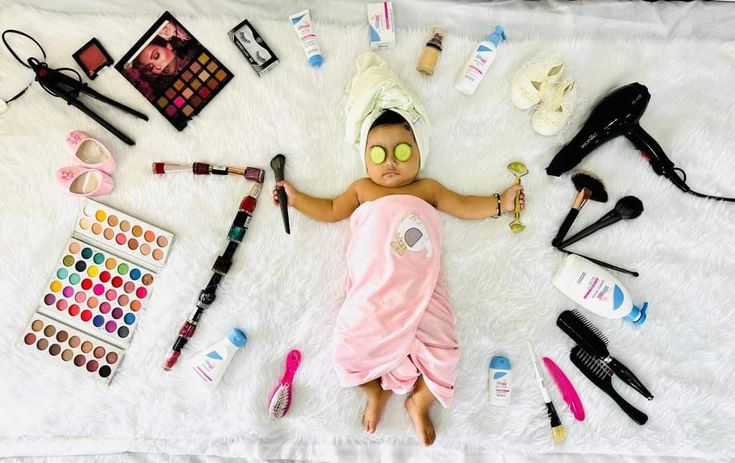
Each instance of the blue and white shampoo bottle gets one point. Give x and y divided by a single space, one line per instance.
595 289
499 381
209 365
480 61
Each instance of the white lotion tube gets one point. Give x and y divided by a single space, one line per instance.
209 365
301 22
480 61
598 291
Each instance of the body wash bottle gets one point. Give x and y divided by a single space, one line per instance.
479 62
432 50
597 290
499 381
209 366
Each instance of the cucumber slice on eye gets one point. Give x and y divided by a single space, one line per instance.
377 154
402 152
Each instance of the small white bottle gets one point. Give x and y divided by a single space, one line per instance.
480 61
499 381
597 290
210 365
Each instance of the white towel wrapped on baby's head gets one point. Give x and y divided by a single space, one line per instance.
374 90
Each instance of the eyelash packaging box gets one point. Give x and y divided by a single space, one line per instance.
251 44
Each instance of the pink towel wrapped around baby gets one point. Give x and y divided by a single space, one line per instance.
396 321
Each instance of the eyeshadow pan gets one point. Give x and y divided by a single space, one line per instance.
179 84
125 225
171 110
195 85
212 66
204 75
196 101
112 220
221 75
203 58
195 67
187 93
187 110
187 76
204 92
162 102
179 101
170 93
212 83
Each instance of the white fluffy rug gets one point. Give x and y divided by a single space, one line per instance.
284 291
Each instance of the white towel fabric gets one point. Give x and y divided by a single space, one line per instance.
374 90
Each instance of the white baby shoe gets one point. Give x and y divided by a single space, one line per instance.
557 102
529 80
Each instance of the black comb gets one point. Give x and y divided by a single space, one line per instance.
600 374
592 340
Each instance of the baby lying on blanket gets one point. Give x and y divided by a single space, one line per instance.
396 329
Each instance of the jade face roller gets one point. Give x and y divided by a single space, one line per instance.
518 169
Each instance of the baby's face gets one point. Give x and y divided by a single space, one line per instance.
391 172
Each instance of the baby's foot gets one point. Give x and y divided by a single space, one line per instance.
374 409
422 422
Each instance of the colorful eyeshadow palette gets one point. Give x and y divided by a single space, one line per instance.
93 301
97 292
123 234
175 72
57 341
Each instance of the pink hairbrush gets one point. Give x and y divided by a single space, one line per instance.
568 393
280 399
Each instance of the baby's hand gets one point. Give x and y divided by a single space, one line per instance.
508 198
290 191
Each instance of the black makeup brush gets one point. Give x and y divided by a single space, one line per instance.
628 207
588 188
600 374
592 340
278 164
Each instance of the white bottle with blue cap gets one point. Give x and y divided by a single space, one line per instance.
479 62
210 364
499 381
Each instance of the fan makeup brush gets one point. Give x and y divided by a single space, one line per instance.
588 188
628 207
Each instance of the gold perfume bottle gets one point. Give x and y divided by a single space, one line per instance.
432 50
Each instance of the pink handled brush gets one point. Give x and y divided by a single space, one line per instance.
280 399
568 393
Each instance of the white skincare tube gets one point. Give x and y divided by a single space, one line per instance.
209 365
301 22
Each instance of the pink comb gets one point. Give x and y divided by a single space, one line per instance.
280 399
568 393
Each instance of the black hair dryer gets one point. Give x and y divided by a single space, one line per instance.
618 114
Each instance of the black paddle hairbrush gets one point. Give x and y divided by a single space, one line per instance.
600 374
592 340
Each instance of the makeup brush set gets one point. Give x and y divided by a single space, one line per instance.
590 188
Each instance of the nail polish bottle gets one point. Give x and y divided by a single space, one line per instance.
432 50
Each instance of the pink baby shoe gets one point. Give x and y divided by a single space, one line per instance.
89 152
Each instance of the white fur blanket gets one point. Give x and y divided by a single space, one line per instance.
284 290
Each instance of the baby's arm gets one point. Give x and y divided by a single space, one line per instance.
322 209
474 207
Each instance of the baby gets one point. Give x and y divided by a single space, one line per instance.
396 329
